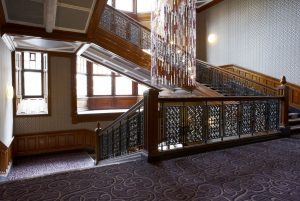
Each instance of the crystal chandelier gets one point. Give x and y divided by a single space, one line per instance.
173 43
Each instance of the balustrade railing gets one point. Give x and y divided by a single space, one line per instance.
125 135
230 84
202 120
125 27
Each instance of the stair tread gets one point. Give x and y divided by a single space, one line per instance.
295 127
294 120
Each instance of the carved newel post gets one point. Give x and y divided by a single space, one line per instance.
284 106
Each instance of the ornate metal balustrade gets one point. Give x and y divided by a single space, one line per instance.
125 135
230 84
125 27
195 121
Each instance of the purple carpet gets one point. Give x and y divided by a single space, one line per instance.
26 167
262 171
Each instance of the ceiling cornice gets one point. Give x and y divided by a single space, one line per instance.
209 5
94 21
16 29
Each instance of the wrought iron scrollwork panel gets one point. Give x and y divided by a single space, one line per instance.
195 124
214 121
134 34
106 19
273 115
172 127
121 26
133 132
246 116
230 120
146 39
260 116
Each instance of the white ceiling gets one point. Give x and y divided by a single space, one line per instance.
67 15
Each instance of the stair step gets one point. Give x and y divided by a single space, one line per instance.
293 115
295 121
121 159
295 129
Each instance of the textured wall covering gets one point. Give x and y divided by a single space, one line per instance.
262 35
6 109
60 118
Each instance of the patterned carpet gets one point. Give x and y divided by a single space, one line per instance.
262 171
27 167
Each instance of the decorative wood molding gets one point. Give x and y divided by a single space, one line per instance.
294 90
17 29
122 48
5 157
37 143
99 7
2 17
209 5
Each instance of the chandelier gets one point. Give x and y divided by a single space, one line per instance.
173 43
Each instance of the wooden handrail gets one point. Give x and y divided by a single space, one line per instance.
235 75
221 98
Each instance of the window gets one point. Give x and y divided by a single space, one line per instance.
101 90
124 5
145 6
31 83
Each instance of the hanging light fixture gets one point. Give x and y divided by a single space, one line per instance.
173 43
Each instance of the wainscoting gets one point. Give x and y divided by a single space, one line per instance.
294 90
5 157
37 143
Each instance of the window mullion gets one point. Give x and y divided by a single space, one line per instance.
113 84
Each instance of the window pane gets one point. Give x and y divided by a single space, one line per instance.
109 2
141 89
145 6
102 85
123 86
101 70
81 81
81 65
32 83
32 60
125 5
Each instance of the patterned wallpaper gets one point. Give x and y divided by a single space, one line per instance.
60 118
262 35
6 106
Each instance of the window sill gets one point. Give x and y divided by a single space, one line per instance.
97 115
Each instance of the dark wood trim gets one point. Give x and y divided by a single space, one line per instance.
77 118
99 7
122 48
2 17
5 157
16 29
73 90
89 70
53 141
209 5
175 153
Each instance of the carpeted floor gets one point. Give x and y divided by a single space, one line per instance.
261 171
34 166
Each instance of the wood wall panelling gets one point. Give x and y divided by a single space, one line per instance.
37 143
294 90
5 158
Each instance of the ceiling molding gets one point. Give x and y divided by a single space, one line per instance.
82 48
16 29
208 5
95 17
50 14
8 42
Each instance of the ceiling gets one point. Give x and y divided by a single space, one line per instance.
66 15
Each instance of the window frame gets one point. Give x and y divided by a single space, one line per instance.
18 73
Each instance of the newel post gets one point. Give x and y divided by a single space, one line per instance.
284 106
97 143
151 122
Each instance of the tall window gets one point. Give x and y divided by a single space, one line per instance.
31 83
133 6
99 88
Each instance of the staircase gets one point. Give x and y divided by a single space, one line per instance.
294 121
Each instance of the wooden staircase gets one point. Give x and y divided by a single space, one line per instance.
294 122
